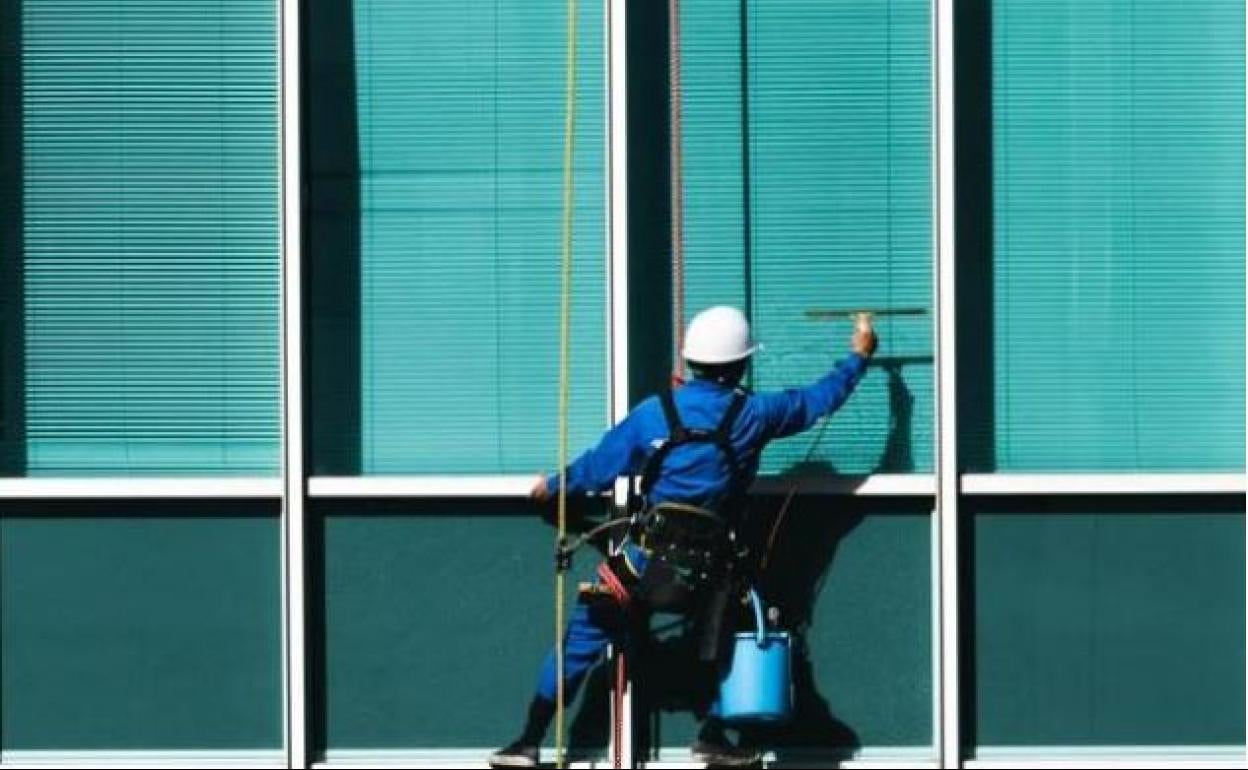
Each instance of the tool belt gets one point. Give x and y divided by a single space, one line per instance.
689 550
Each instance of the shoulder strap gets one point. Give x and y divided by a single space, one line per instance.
675 428
723 439
724 430
679 435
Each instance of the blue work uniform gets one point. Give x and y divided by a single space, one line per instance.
695 473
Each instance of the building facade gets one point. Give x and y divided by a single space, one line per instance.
280 307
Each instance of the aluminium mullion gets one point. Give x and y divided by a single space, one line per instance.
617 274
946 520
294 602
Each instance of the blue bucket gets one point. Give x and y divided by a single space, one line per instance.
757 685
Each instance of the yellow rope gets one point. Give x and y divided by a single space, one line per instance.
565 322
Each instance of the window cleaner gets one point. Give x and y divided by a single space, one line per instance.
696 450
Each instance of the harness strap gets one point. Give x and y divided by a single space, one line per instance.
723 437
680 435
724 430
675 428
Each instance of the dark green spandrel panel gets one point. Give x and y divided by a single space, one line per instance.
147 258
854 579
157 628
1118 197
439 287
436 619
808 184
1103 625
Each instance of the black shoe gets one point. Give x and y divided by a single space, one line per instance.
725 755
516 755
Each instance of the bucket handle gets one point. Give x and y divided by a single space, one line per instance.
760 626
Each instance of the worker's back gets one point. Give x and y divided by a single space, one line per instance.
699 472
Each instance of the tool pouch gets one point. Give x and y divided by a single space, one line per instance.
688 549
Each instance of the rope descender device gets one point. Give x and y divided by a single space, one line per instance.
563 555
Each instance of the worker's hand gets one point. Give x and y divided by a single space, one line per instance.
864 340
540 492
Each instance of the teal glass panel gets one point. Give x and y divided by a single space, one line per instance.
808 185
450 208
1118 199
157 628
852 580
1108 623
436 618
142 320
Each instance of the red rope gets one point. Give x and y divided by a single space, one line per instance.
678 188
614 585
620 679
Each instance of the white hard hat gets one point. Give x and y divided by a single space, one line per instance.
718 335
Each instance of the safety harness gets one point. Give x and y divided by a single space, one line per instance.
690 548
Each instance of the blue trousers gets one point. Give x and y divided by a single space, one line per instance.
594 626
590 629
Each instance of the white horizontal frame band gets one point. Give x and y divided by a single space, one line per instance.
153 758
880 484
1103 483
882 757
199 487
868 757
1125 763
420 486
438 757
873 485
519 486
1107 757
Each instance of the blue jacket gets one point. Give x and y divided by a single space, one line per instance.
697 473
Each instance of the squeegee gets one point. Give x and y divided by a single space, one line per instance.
854 313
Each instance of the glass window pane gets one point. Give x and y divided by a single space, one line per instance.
1117 341
436 171
852 581
808 182
422 600
426 600
157 628
141 314
1100 623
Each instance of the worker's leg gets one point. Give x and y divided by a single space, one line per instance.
592 627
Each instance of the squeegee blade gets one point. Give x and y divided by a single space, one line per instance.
892 311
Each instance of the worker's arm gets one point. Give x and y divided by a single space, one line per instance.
619 451
793 411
